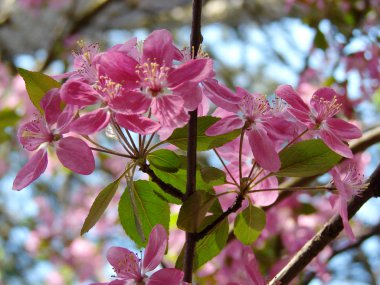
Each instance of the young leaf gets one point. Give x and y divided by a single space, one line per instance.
210 246
140 210
307 158
99 206
178 179
213 176
37 84
8 118
165 159
194 210
204 142
249 224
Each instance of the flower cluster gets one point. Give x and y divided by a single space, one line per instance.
148 88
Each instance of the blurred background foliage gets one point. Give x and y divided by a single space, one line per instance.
256 44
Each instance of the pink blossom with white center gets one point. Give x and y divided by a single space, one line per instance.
349 182
256 119
50 130
130 270
318 117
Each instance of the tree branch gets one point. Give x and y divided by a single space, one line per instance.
372 232
329 232
195 42
232 209
167 188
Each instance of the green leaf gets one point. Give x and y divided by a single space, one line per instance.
165 159
140 210
213 176
8 118
204 142
249 224
320 40
151 186
99 206
210 246
37 84
376 99
307 158
193 211
178 179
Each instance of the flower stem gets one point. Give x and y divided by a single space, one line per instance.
240 156
225 167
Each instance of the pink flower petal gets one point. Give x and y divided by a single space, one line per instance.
287 93
155 250
225 125
50 103
168 110
342 129
32 134
32 170
91 122
137 124
194 71
266 198
119 67
132 102
129 47
263 150
324 93
252 268
335 144
191 94
344 215
221 96
76 155
76 92
166 276
158 47
125 262
65 118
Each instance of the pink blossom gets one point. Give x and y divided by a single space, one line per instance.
256 119
129 268
349 182
168 87
39 134
115 100
318 117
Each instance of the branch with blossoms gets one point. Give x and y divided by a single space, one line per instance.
328 232
152 100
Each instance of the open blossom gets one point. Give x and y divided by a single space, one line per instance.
349 182
130 270
256 117
114 99
318 117
153 76
50 130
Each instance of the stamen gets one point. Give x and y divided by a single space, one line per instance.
153 77
327 109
